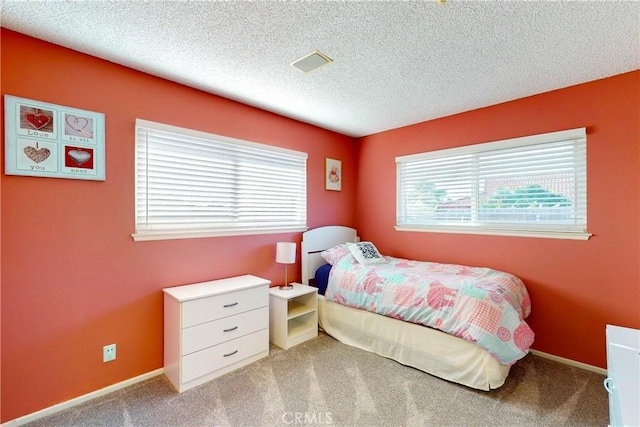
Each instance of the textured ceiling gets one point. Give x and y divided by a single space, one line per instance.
395 62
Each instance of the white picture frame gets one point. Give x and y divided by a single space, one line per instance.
333 175
53 141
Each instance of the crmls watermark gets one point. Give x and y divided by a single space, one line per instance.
318 418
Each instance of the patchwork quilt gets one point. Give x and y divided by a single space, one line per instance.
478 304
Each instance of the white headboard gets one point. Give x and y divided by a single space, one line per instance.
317 240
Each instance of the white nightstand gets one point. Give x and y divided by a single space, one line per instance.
293 315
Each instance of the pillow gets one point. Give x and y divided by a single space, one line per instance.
322 278
366 253
335 254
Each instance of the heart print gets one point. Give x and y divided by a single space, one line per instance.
37 120
79 157
37 155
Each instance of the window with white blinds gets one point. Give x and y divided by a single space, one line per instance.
532 186
195 184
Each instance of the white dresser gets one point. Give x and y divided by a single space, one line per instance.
215 327
623 375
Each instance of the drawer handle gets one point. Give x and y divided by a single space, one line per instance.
609 385
230 329
230 305
230 354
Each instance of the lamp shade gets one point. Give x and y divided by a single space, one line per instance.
285 252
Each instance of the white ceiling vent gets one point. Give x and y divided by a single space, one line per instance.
312 61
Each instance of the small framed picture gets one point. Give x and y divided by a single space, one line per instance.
333 175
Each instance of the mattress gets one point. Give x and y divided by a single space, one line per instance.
432 351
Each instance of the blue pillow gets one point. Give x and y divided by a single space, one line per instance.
322 278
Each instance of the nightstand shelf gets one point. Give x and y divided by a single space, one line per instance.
293 315
297 308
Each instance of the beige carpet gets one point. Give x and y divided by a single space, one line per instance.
324 382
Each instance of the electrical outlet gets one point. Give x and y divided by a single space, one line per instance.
109 353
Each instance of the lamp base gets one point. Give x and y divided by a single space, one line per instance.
286 287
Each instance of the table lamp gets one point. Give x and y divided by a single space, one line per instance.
285 254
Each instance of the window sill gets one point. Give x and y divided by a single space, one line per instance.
567 235
196 234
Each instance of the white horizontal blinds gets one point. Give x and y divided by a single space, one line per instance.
427 185
531 183
192 180
543 183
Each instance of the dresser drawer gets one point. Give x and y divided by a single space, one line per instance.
199 363
204 310
217 331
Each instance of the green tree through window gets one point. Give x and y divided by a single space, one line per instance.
527 196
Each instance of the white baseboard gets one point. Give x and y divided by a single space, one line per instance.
81 399
570 362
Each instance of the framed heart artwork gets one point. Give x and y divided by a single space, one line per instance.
53 141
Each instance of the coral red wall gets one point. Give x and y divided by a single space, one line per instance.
73 279
577 287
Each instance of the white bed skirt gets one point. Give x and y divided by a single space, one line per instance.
429 350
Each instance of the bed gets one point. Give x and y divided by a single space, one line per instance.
431 350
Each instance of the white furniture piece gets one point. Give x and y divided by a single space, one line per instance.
623 375
293 315
435 352
215 327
